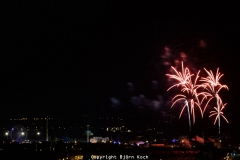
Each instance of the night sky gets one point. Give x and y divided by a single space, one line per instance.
99 57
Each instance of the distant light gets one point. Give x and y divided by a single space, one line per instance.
23 133
6 133
38 133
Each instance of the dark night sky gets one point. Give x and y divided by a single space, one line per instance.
71 58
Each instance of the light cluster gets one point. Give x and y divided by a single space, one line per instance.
195 92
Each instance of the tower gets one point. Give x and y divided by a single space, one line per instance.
88 133
47 129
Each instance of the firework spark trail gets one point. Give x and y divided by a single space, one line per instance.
212 87
189 88
181 77
218 112
182 97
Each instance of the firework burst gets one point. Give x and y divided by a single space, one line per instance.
190 89
218 112
212 86
182 78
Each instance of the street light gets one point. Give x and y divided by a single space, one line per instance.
38 133
6 134
23 133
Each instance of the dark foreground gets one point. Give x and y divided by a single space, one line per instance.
105 151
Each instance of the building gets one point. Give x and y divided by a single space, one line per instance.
99 140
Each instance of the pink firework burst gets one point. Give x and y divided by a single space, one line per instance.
218 112
181 77
190 89
212 86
